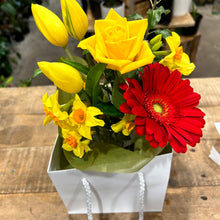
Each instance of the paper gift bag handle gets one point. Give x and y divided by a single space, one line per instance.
140 196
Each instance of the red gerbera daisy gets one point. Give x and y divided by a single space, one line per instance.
165 108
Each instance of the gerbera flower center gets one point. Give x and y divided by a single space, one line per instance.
158 108
79 116
71 141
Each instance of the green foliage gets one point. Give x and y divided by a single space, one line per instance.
108 156
135 16
13 26
5 82
154 16
92 82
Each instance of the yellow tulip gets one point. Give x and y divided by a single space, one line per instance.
119 43
177 59
74 18
50 25
63 76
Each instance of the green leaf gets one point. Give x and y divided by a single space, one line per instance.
110 110
154 16
111 158
92 82
80 67
117 97
36 73
8 8
135 16
164 32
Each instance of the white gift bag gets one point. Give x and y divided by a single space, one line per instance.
111 192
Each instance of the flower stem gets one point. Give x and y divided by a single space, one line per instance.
68 53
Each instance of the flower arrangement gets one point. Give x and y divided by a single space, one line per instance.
125 102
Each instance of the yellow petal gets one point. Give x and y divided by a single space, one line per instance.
85 131
173 41
74 18
77 104
63 76
47 120
144 57
118 126
137 29
113 15
50 25
121 49
88 44
93 111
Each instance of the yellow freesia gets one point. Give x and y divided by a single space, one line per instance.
126 125
177 59
74 18
50 25
119 43
84 117
63 76
52 110
72 143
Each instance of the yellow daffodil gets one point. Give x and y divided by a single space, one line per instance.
126 125
74 18
50 25
63 76
72 143
119 43
177 59
84 117
52 110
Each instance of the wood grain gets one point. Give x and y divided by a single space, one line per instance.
25 131
185 203
24 170
23 100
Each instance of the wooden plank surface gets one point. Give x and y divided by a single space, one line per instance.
185 203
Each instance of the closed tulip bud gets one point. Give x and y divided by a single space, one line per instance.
50 25
63 76
74 18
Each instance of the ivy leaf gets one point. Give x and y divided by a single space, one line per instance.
135 16
154 16
164 32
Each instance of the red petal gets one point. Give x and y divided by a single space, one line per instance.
139 120
125 108
176 145
154 144
140 130
132 102
192 112
149 137
164 140
139 111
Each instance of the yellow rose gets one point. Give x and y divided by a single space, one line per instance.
119 43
